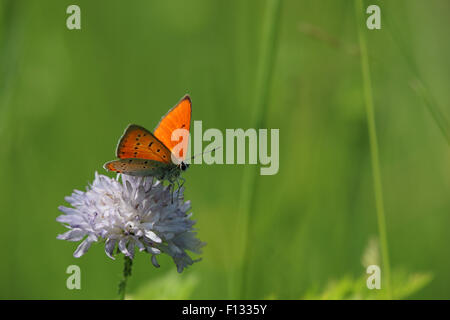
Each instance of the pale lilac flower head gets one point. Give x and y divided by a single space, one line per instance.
134 213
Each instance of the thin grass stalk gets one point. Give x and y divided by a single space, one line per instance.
436 113
378 189
418 84
247 202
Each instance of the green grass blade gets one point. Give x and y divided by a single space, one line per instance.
436 113
248 184
378 189
418 85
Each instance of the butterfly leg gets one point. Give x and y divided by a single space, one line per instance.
171 187
180 185
183 180
151 184
178 189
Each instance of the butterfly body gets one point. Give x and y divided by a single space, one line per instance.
142 153
144 167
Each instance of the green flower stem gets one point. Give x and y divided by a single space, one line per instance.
128 264
378 190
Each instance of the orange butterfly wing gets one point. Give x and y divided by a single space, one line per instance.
137 142
179 117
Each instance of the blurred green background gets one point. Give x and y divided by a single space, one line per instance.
67 95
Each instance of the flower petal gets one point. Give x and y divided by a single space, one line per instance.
139 244
82 248
152 236
110 245
153 250
72 235
155 262
130 248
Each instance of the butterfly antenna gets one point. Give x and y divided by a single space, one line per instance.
204 152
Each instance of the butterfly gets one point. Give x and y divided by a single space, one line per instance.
157 154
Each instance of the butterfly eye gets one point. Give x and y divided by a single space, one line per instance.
183 166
